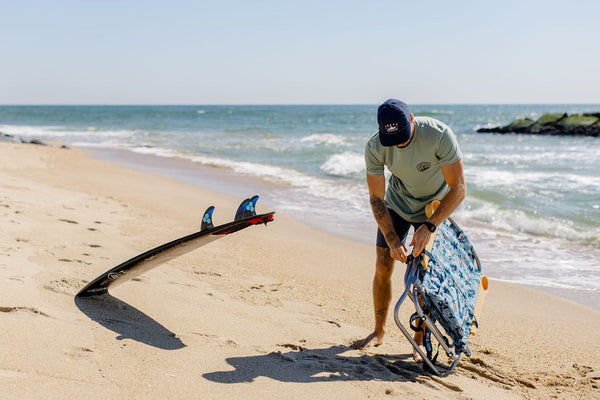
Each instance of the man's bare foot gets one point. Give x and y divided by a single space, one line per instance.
419 339
416 356
374 339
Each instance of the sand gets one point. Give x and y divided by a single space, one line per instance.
269 312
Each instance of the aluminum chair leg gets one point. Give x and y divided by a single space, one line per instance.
409 281
409 336
433 328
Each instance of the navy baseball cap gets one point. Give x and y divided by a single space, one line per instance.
393 117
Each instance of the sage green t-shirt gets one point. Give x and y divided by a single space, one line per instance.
417 177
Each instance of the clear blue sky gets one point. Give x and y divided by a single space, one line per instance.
279 52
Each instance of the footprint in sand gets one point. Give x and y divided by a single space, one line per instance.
79 353
76 260
68 221
480 368
217 339
68 286
333 363
30 310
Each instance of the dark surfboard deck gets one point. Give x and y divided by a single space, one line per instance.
244 217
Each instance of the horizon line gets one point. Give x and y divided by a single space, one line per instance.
278 104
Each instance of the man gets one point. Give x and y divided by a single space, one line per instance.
425 161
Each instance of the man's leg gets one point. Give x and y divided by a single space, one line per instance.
418 337
382 282
382 288
382 295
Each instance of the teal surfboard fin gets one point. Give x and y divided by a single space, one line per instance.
246 209
207 219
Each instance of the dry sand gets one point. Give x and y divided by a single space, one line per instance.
266 313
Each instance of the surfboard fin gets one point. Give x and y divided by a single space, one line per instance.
246 209
207 219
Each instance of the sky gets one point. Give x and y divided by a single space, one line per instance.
299 52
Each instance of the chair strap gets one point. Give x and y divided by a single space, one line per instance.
426 341
428 254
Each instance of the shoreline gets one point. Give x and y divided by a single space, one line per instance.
225 181
229 183
267 312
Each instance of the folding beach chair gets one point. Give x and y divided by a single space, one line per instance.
443 283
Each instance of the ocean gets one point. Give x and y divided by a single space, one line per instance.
533 202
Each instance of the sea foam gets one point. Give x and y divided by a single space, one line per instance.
57 132
325 139
346 163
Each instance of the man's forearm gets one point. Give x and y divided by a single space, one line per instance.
449 204
455 178
384 220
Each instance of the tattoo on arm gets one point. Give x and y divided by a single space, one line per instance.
379 208
390 237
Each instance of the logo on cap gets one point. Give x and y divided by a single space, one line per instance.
389 128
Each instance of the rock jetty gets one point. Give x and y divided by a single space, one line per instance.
4 137
587 124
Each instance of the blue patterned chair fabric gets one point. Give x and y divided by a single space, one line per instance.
450 284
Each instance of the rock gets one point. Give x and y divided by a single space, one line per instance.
521 125
35 141
4 137
8 138
579 124
587 124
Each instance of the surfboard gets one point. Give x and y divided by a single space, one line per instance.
245 216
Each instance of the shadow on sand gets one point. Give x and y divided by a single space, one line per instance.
319 365
127 321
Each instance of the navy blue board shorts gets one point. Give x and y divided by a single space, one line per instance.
400 225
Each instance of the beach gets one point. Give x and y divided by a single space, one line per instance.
269 312
531 209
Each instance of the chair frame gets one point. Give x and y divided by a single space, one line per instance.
412 289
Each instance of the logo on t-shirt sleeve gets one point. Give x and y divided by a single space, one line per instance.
424 166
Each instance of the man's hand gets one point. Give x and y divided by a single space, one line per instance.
376 186
420 240
399 253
